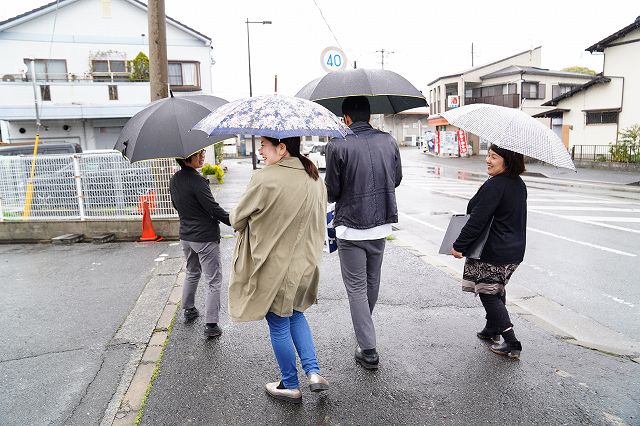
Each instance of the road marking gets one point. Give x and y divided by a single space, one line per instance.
427 224
605 219
584 243
590 222
586 209
621 301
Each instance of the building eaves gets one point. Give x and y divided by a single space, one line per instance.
556 112
600 46
484 66
557 99
515 69
65 2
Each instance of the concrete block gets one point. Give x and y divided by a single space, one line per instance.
103 238
152 354
158 338
67 239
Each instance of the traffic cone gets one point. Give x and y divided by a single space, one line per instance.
148 234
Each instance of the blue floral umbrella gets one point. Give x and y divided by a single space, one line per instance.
274 116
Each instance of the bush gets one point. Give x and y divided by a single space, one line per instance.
627 149
216 170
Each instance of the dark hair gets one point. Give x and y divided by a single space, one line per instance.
513 161
293 147
357 107
183 161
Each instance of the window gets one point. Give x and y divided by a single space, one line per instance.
109 70
48 69
113 92
45 92
602 117
184 76
533 91
561 89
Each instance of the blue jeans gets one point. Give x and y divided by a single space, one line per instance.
287 332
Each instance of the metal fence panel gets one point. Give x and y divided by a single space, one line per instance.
85 186
602 153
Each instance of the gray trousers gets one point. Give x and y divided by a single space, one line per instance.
360 264
203 257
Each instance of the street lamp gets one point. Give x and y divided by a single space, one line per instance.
253 137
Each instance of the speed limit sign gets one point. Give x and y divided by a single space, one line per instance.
333 59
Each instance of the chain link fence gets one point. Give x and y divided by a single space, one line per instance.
85 186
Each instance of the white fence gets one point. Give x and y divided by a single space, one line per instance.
85 186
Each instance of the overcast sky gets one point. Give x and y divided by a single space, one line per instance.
429 39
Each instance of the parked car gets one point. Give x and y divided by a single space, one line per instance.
43 148
317 155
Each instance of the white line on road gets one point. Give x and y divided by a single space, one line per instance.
590 222
422 222
584 243
619 219
586 209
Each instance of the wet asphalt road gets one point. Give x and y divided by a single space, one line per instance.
60 308
583 246
433 368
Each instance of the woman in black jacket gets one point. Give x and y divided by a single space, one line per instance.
501 204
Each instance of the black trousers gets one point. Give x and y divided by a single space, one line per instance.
497 315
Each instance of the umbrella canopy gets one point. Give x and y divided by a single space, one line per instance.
511 129
162 129
388 92
274 116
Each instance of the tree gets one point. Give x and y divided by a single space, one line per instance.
140 68
627 149
581 70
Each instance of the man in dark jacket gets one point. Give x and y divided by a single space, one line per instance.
200 217
362 173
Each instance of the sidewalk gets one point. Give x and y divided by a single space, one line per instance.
433 368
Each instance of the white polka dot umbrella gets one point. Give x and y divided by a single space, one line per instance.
511 129
274 116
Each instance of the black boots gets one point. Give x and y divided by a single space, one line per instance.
488 335
511 347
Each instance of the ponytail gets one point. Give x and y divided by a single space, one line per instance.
293 148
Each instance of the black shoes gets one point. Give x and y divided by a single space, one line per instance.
191 314
488 335
509 349
212 330
367 358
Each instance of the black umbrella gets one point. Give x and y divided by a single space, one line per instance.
388 92
162 129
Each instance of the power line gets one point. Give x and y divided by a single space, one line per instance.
382 52
328 26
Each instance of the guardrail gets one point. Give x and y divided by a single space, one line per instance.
85 186
618 153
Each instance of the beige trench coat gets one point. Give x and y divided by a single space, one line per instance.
281 220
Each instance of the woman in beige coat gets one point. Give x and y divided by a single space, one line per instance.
281 220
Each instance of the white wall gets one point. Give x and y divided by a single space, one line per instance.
624 61
601 96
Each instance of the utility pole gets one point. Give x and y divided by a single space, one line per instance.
158 68
472 55
275 84
382 53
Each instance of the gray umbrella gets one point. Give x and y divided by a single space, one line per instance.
162 129
388 92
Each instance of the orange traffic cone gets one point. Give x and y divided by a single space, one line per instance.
148 234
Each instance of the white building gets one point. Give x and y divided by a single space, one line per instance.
514 82
595 112
82 52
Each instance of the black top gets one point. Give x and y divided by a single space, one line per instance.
363 171
199 212
503 197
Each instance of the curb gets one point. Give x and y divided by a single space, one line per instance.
127 403
560 321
